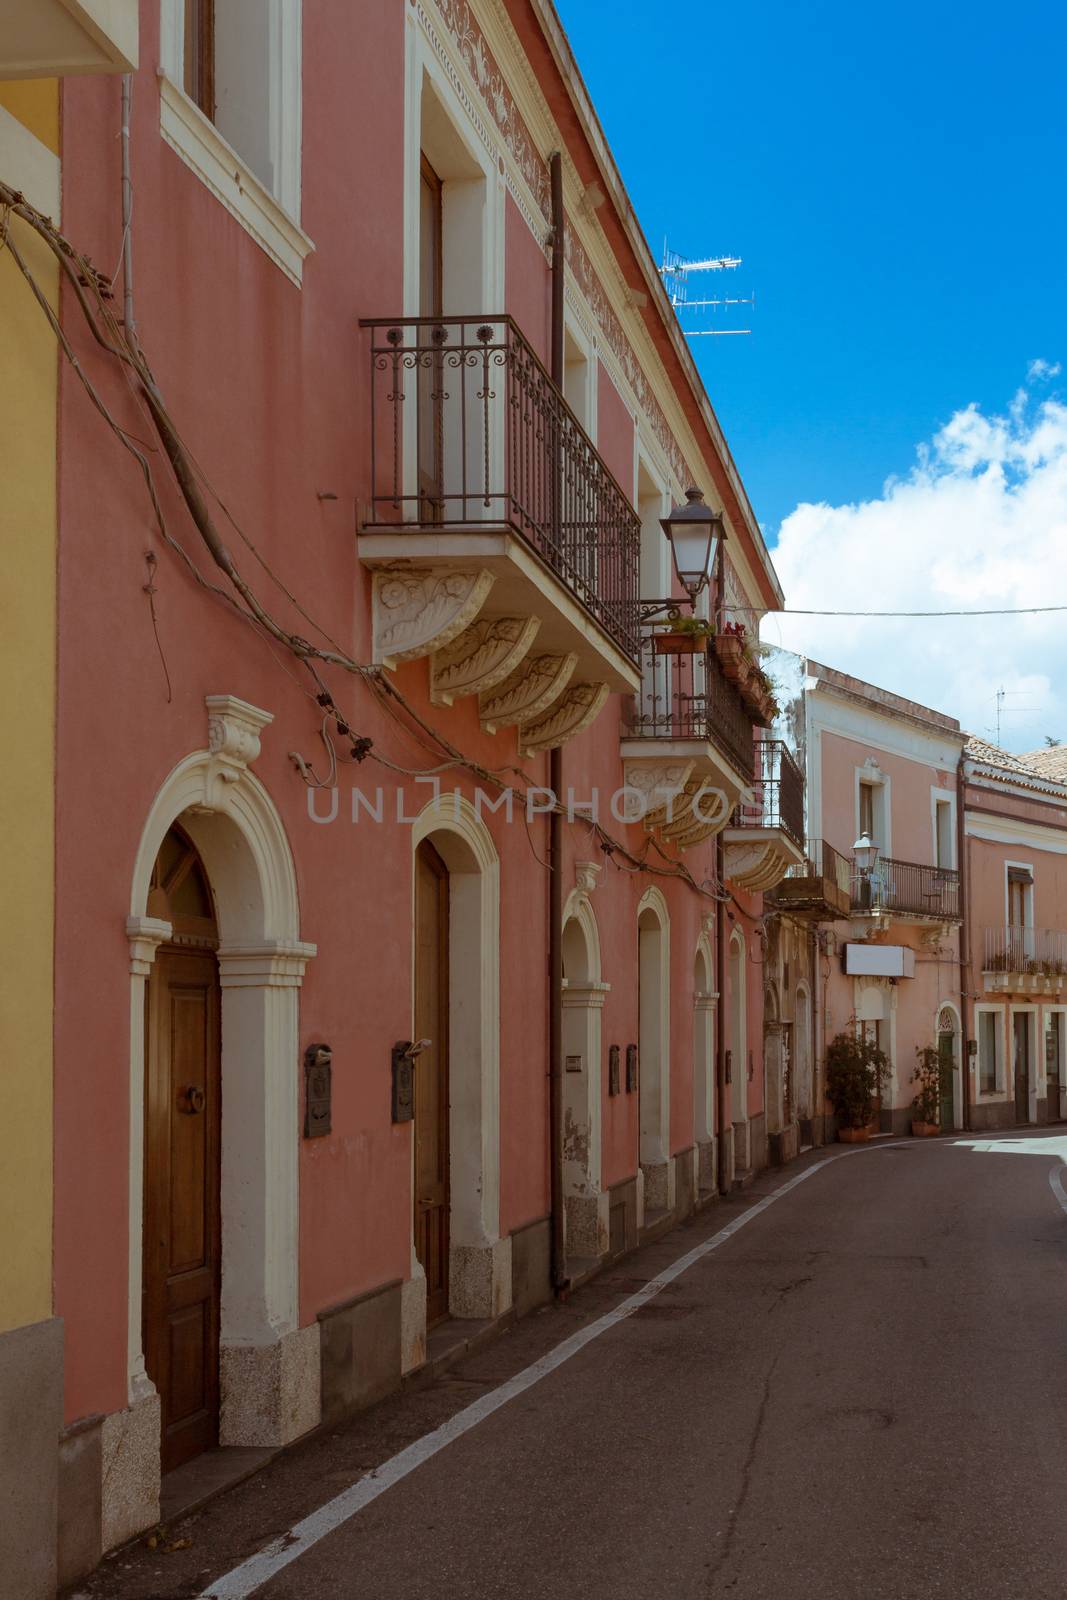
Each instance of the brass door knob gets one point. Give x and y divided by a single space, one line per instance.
191 1100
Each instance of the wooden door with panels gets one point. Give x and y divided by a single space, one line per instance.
431 1077
182 1151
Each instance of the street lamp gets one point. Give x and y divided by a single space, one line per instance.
864 852
694 531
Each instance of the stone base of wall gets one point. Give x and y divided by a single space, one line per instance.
992 1114
706 1174
685 1182
659 1179
726 1159
586 1226
271 1393
31 1413
479 1279
129 1470
80 1499
360 1350
622 1218
758 1154
785 1146
531 1265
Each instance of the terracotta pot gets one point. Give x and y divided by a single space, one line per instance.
925 1130
678 644
729 649
854 1135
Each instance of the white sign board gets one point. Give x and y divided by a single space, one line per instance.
880 960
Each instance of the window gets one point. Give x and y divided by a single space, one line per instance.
943 841
1020 897
988 1052
230 105
867 811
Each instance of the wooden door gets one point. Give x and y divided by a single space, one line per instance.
1021 1030
946 1050
1055 1064
181 1199
431 1077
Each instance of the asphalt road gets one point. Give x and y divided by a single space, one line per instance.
861 1393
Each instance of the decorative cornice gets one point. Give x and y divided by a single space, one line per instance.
275 964
481 657
574 711
145 934
419 610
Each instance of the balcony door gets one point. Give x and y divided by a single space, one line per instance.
430 369
431 1077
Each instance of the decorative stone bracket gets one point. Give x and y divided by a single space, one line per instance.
758 864
435 612
233 730
680 797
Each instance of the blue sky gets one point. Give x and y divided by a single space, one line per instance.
894 181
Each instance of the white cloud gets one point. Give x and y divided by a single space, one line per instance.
1042 369
979 522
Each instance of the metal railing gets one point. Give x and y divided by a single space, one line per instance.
689 697
468 429
1038 951
777 795
822 882
907 886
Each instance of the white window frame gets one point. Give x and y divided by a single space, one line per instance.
944 797
272 220
999 1079
883 807
577 336
1028 898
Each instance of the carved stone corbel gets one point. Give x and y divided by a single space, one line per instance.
576 708
233 730
482 656
586 874
527 692
661 785
420 610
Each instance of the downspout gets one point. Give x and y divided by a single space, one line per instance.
965 940
127 214
555 818
720 953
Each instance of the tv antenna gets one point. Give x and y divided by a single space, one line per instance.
675 271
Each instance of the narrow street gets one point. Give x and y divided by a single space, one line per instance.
860 1392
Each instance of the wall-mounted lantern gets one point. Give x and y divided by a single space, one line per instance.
693 531
318 1090
405 1054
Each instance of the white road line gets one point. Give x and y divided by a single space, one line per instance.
259 1569
1055 1179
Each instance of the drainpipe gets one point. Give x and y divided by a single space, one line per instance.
720 1021
965 940
555 819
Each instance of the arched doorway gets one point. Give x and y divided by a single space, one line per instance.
802 1073
653 1005
182 1261
773 1063
456 995
431 1130
738 1051
585 1204
948 1050
704 1067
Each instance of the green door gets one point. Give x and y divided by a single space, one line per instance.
946 1049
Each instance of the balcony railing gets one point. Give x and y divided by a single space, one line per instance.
468 430
819 885
1038 952
688 697
777 796
908 887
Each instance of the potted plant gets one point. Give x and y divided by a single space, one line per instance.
683 636
730 649
855 1071
926 1106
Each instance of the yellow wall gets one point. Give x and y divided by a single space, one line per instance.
28 377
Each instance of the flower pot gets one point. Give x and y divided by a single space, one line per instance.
678 644
854 1135
729 649
925 1130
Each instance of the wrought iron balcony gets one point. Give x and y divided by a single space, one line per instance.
819 886
1017 959
776 799
470 437
908 888
687 697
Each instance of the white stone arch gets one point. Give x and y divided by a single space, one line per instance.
738 1046
948 1011
585 1201
654 1049
774 1066
705 1000
269 1366
479 1274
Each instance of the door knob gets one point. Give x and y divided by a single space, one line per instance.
191 1100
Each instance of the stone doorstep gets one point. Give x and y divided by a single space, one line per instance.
453 1339
657 1223
191 1486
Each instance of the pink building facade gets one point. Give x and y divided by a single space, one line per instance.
323 1093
